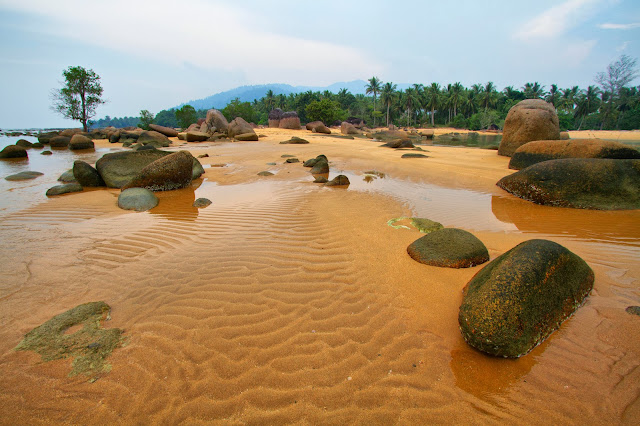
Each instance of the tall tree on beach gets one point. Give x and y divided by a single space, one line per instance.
269 100
80 95
433 100
410 100
618 75
533 90
455 96
587 103
388 96
488 96
553 97
374 87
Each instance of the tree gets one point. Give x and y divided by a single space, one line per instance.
146 118
374 87
235 108
388 96
533 91
587 102
433 102
488 96
80 95
186 116
618 75
325 110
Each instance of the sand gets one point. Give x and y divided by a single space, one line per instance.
288 302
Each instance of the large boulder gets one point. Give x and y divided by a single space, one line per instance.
79 141
70 132
538 151
528 120
59 141
153 138
164 174
347 128
167 131
196 136
215 122
449 247
24 143
584 183
290 120
86 175
239 126
516 301
118 168
138 199
13 151
274 117
45 137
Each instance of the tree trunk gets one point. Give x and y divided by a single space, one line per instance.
432 117
387 115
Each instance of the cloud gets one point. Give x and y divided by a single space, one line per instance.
623 46
556 20
207 34
609 26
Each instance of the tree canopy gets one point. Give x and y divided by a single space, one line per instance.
80 95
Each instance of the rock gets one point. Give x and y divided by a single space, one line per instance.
44 138
311 125
564 136
203 156
321 128
320 179
391 135
167 131
46 153
265 173
67 177
195 127
164 174
290 120
86 175
413 155
24 143
340 180
633 310
239 126
528 120
292 160
37 145
216 122
287 156
516 301
24 175
429 133
584 183
59 141
356 121
70 132
295 141
399 143
321 166
274 117
138 199
119 168
79 141
312 162
13 151
182 136
152 137
538 151
425 225
247 137
348 129
202 202
64 189
196 136
140 147
449 247
114 137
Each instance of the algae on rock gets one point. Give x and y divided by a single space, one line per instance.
89 346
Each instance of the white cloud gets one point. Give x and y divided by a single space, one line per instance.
556 20
623 46
208 34
609 26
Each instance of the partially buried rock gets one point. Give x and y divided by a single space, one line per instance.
167 131
196 136
449 247
13 151
320 179
59 141
528 120
86 175
244 137
633 310
265 173
584 183
412 155
138 199
164 174
340 180
292 160
312 162
79 141
399 143
89 346
425 225
348 129
295 141
24 143
67 176
64 189
202 202
24 175
47 152
516 301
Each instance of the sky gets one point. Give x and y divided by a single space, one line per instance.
158 54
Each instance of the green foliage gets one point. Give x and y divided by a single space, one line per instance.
80 95
459 122
186 116
166 118
566 121
235 108
483 119
325 110
146 118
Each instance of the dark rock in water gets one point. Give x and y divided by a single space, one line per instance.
24 143
320 166
46 153
528 120
516 301
412 155
64 189
89 346
425 225
164 174
67 177
86 175
239 126
59 141
14 151
584 183
340 180
37 145
79 141
633 310
292 160
167 131
320 179
196 136
265 173
539 151
138 199
244 137
312 162
44 138
295 141
202 202
449 247
24 176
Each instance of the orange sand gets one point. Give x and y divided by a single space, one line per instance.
287 302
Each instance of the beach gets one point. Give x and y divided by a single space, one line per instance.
285 301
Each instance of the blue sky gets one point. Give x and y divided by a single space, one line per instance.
157 54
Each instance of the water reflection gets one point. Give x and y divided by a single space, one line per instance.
471 139
177 205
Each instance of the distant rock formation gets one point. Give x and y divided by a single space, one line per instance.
274 118
290 120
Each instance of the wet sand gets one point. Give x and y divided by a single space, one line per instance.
285 301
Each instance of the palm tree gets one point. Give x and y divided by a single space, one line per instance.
388 95
455 96
433 100
553 97
533 91
587 103
281 101
269 100
410 100
374 87
488 96
469 105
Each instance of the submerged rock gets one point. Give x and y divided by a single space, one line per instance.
516 301
138 199
24 175
64 189
340 180
202 202
449 247
89 347
13 151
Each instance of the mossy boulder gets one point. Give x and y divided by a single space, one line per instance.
89 346
449 247
138 199
584 183
59 141
539 151
295 141
528 120
247 137
320 166
425 225
79 141
340 180
86 175
164 174
312 161
516 301
13 151
24 176
67 188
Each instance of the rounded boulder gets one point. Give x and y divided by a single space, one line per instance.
138 199
528 120
449 247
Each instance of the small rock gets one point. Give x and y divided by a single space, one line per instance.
295 141
449 247
292 160
202 202
64 189
412 155
633 310
24 176
46 152
138 199
203 155
265 173
340 180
